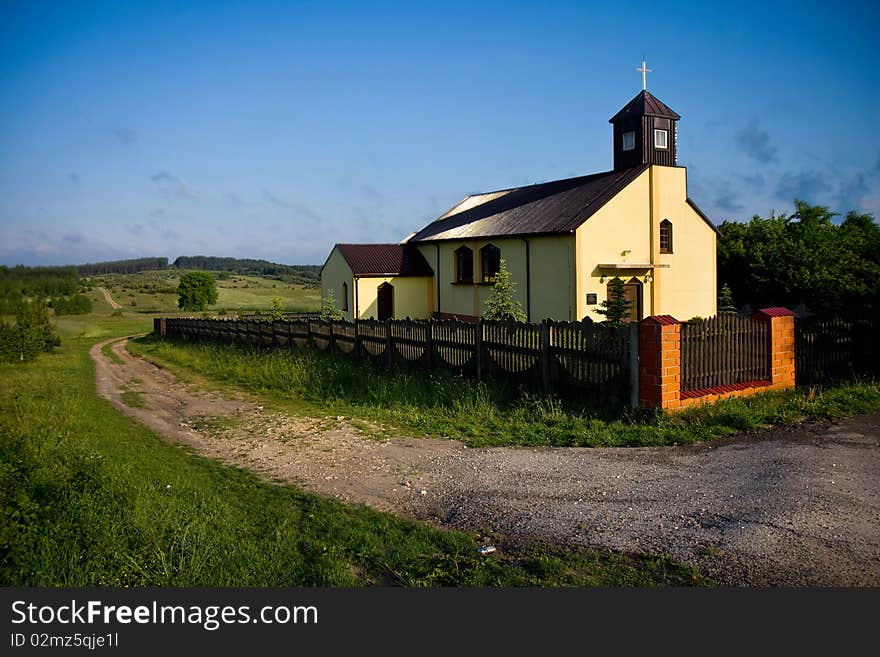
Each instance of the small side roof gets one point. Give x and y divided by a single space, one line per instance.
384 260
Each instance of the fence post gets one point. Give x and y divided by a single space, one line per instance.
389 362
331 347
309 334
546 382
634 364
274 337
356 350
478 348
780 342
429 347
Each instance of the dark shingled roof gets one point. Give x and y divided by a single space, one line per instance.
559 206
385 260
644 104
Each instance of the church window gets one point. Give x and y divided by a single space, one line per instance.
491 261
666 236
661 138
464 265
345 296
629 140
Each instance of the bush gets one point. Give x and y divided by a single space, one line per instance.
31 334
197 290
77 304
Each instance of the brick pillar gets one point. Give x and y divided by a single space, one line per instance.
781 328
659 362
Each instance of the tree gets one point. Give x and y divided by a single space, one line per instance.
31 334
276 308
196 291
802 257
616 307
725 300
501 303
329 311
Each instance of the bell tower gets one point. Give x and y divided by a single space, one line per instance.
644 131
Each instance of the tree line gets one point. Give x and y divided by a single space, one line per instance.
131 266
802 258
305 274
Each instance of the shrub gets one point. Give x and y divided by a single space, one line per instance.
31 334
197 290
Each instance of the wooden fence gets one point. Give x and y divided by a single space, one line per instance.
724 350
836 347
571 359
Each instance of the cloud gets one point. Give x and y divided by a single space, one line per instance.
157 212
73 238
755 142
754 182
806 186
73 176
174 186
125 136
852 193
135 229
302 210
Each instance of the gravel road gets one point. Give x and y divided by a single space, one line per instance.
793 506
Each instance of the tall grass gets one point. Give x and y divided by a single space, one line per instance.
89 497
431 403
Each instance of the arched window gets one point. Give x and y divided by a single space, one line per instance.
490 256
345 296
464 265
666 236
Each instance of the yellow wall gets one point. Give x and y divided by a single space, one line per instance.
413 296
627 230
688 287
336 272
551 281
617 233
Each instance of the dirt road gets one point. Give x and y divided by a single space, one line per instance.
792 506
109 299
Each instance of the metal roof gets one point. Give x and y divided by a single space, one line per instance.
644 104
385 260
559 206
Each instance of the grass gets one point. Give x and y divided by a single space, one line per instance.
132 398
234 293
108 352
89 497
311 383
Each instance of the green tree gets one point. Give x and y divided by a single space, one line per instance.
502 303
616 307
802 257
31 334
329 310
725 300
196 291
276 308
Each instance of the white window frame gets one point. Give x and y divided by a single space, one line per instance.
632 142
657 138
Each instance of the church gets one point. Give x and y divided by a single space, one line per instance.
563 241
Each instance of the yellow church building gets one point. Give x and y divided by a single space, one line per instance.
563 242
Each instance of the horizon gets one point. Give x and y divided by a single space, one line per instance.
274 133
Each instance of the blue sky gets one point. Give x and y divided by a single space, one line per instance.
275 129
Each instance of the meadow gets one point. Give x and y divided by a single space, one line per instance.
481 414
91 498
152 291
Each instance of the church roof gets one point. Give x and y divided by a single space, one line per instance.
385 260
644 104
559 206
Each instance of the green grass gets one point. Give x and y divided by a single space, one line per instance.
132 398
235 293
108 352
90 497
420 403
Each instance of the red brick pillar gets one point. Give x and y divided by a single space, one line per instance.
659 362
781 327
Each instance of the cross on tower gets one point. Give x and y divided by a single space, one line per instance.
644 71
